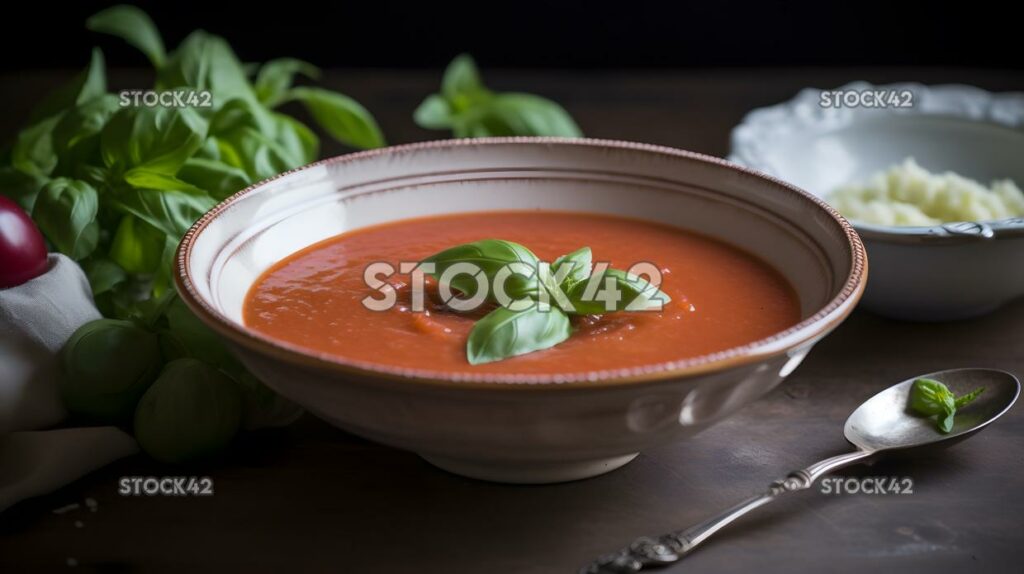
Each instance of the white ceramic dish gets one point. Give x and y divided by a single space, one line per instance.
517 428
944 272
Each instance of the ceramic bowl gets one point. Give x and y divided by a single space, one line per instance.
518 428
937 273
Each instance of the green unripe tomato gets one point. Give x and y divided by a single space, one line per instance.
106 366
191 412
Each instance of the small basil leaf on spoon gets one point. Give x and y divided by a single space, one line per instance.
615 290
930 397
578 266
504 333
489 256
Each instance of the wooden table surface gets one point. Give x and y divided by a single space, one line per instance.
312 498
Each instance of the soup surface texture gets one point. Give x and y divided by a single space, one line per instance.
722 297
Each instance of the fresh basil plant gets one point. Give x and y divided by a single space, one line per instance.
114 183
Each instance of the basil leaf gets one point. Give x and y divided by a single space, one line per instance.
133 26
137 246
21 187
66 213
163 281
94 175
615 290
276 76
256 154
967 399
461 89
261 143
189 64
579 265
434 113
469 109
33 152
503 333
172 212
144 178
156 139
88 85
103 274
299 141
489 256
241 113
944 422
206 62
146 312
342 117
930 397
218 179
209 149
461 79
76 134
227 153
517 115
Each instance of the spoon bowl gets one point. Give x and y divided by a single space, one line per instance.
884 422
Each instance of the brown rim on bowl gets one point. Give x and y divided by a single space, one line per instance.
806 331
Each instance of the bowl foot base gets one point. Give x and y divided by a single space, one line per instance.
528 472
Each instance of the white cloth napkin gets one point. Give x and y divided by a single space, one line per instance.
37 462
36 318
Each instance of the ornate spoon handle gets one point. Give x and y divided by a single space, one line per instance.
646 552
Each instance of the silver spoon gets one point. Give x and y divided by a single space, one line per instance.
881 425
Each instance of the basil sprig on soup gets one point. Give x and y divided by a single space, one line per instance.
535 298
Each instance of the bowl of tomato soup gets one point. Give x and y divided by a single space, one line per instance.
311 277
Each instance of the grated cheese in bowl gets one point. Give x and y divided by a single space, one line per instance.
906 194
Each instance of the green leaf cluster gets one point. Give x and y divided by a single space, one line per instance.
471 110
114 185
931 398
540 297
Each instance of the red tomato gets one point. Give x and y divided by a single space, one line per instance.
22 248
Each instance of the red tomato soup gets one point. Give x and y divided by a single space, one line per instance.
722 297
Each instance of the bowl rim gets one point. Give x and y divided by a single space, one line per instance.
802 113
807 330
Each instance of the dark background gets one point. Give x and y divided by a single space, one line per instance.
552 34
313 498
